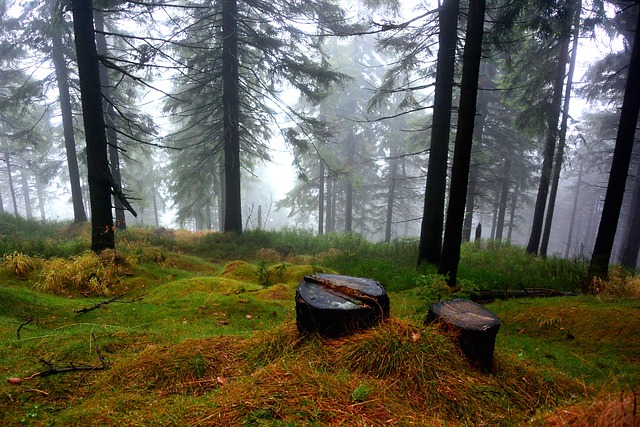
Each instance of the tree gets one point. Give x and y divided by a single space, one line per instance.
598 266
433 212
463 142
99 176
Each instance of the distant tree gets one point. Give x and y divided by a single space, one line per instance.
598 267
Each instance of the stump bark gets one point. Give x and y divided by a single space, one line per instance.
333 305
475 326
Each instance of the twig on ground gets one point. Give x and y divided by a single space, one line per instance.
100 304
26 322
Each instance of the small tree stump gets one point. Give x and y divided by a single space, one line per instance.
475 325
333 305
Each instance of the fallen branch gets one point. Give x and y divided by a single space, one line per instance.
26 322
53 370
100 304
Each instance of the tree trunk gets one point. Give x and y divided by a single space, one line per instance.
464 137
512 213
391 195
598 267
549 148
154 200
433 210
231 116
563 136
25 192
107 105
329 201
41 198
102 233
62 78
574 209
504 195
631 246
12 190
321 199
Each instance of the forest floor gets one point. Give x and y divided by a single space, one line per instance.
184 340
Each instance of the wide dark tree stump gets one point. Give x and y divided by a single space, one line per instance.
475 325
333 305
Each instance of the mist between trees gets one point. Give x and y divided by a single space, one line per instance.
449 123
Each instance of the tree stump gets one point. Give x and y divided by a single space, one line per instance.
333 305
475 325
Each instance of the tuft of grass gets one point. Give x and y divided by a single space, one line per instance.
607 409
621 283
20 265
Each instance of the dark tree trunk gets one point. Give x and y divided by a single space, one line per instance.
112 137
598 267
231 116
574 209
504 195
7 160
62 78
555 182
154 200
631 246
102 232
549 147
321 199
463 143
433 210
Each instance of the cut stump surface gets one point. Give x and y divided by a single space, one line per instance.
476 325
335 305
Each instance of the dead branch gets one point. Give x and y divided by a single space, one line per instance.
100 304
26 322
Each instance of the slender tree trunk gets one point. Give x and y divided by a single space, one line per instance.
62 79
555 182
464 137
512 213
504 195
1 203
7 160
25 192
41 198
391 194
631 246
574 209
102 232
231 116
549 148
321 199
433 211
598 267
107 105
154 201
329 210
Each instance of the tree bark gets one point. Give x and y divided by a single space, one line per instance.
433 211
62 79
102 232
598 267
555 182
107 105
329 202
464 138
391 194
512 213
574 209
549 148
231 116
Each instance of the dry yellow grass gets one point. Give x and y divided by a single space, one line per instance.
607 410
20 265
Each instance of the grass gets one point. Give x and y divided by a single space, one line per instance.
199 329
